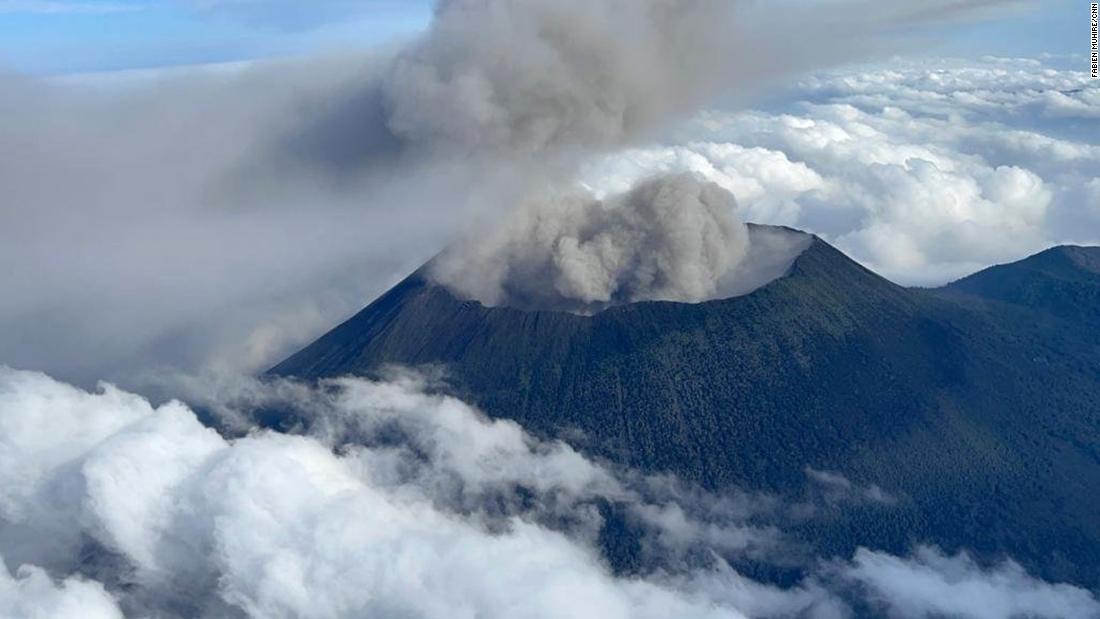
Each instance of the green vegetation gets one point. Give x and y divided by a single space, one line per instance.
977 405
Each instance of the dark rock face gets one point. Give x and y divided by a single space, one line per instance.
977 406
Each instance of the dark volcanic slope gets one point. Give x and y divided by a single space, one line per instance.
1063 282
977 405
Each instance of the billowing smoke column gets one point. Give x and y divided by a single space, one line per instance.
521 89
202 180
671 238
518 94
532 87
497 76
532 76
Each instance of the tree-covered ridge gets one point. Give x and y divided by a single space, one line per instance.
976 407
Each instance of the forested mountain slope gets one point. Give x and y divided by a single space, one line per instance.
976 407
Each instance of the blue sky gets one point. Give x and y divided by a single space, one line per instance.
72 36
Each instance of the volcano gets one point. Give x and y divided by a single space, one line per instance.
975 407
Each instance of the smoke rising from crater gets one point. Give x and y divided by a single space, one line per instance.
669 238
193 218
533 88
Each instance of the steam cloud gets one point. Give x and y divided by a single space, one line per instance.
124 508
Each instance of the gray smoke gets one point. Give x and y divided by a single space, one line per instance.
522 91
670 238
542 84
551 81
223 218
497 75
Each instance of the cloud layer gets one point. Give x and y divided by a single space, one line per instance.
397 503
923 171
931 584
219 218
31 594
280 525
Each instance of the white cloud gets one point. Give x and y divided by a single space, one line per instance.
931 584
31 594
837 488
764 181
274 525
924 174
420 520
1020 90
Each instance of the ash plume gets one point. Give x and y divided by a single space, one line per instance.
669 238
535 75
552 81
191 219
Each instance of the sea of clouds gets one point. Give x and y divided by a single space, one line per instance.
396 501
923 170
218 218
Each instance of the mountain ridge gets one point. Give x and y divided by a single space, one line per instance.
982 418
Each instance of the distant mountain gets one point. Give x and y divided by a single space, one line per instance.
975 407
1062 282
